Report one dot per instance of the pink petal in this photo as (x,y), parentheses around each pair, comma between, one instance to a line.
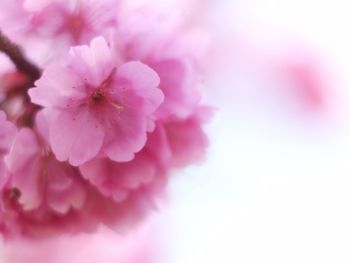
(117,179)
(24,149)
(158,146)
(102,57)
(7,133)
(101,173)
(144,81)
(178,84)
(58,87)
(187,141)
(23,162)
(75,135)
(64,191)
(126,136)
(43,120)
(4,175)
(93,64)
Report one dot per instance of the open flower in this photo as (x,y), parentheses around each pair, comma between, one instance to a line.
(102,108)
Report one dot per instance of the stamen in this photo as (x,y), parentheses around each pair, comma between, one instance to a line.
(120,108)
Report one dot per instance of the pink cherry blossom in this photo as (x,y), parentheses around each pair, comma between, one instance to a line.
(79,20)
(112,104)
(95,139)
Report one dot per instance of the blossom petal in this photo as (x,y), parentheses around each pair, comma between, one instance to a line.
(93,64)
(114,179)
(23,162)
(144,81)
(76,136)
(64,191)
(178,83)
(56,87)
(126,136)
(7,133)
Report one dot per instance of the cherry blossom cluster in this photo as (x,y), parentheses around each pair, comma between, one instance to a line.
(114,109)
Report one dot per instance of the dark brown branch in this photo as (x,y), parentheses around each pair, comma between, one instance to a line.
(17,56)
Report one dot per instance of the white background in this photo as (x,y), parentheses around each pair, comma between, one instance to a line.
(276,184)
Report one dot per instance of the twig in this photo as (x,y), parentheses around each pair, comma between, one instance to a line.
(14,52)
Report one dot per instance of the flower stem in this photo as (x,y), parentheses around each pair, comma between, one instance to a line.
(15,53)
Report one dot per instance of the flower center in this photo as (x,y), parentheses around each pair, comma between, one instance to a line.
(97,96)
(14,193)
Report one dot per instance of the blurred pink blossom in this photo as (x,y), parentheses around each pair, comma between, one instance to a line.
(76,22)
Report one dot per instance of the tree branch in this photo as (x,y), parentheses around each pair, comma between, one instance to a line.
(15,53)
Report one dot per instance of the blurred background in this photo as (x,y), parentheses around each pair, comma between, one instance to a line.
(275,184)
